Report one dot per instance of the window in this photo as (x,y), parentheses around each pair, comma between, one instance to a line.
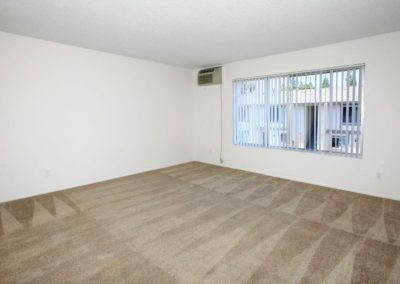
(337,142)
(348,115)
(315,111)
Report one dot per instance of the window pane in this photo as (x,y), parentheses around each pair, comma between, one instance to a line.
(315,111)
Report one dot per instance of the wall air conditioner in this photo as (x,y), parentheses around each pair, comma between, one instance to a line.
(210,76)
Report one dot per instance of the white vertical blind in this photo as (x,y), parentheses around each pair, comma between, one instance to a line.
(313,111)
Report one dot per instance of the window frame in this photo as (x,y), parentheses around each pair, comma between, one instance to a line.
(356,135)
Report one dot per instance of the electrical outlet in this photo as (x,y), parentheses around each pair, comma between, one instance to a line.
(379,176)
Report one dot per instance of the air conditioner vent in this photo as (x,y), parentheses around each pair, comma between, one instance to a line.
(209,70)
(210,76)
(206,79)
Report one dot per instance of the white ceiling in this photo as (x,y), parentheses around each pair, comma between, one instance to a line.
(198,33)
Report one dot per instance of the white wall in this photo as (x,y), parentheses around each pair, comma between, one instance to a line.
(382,116)
(71,116)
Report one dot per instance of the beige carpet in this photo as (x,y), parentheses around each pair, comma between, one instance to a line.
(196,223)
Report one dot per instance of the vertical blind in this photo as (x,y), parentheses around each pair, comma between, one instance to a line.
(314,111)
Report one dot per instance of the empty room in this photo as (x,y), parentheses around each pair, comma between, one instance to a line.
(199,141)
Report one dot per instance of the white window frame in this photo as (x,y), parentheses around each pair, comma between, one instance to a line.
(310,111)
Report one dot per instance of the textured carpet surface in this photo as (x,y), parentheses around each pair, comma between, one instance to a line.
(197,223)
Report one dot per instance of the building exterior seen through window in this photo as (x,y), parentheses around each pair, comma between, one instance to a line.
(314,111)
